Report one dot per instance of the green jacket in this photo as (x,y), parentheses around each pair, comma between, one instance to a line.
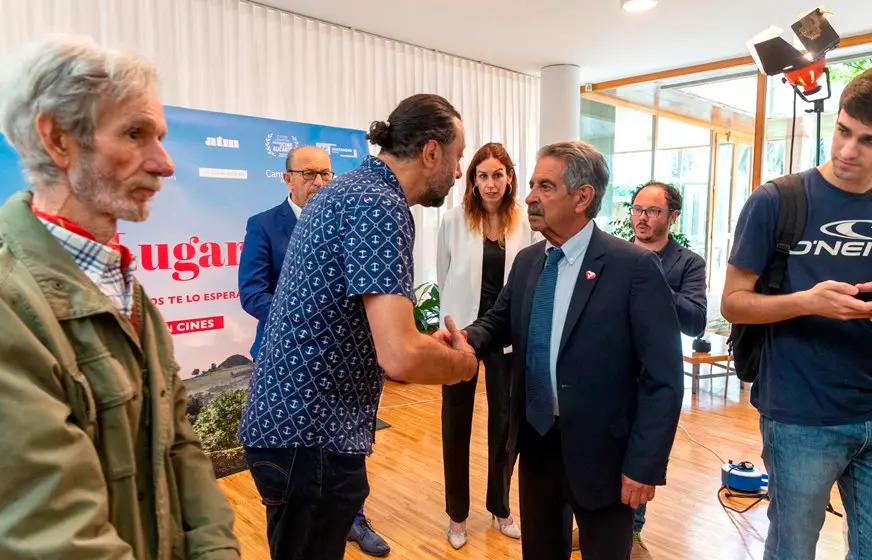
(97,457)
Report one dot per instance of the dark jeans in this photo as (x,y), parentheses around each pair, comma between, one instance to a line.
(803,463)
(639,518)
(458,402)
(311,498)
(547,506)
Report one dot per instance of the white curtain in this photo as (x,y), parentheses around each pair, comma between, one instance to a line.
(236,57)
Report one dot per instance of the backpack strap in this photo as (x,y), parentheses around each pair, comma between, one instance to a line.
(792,215)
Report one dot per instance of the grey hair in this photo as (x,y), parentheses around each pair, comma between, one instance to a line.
(585,165)
(290,157)
(70,79)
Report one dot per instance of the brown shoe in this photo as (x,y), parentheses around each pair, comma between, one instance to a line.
(639,551)
(575,545)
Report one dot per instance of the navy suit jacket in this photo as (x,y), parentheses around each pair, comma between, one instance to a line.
(263,252)
(619,367)
(685,273)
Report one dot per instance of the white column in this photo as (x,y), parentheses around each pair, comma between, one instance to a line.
(559,103)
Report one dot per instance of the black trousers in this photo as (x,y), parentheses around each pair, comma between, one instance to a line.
(311,498)
(547,506)
(458,402)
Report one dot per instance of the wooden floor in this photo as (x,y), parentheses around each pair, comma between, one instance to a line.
(407,505)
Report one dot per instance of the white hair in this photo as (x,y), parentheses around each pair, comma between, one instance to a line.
(70,79)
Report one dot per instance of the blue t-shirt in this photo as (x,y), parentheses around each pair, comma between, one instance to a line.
(317,382)
(814,371)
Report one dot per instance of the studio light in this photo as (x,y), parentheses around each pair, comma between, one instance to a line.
(807,78)
(638,5)
(805,70)
(774,55)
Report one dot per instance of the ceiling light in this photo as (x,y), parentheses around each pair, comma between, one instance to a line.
(638,5)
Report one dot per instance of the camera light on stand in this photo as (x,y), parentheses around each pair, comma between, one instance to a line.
(807,77)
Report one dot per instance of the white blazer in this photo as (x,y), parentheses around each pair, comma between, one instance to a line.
(458,265)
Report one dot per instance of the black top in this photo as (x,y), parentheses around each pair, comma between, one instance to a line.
(493,267)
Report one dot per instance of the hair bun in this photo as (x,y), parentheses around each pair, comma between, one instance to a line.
(379,133)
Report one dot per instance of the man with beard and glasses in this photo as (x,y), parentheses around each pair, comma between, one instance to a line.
(655,208)
(341,319)
(99,460)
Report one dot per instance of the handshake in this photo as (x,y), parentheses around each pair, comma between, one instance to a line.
(456,339)
(453,337)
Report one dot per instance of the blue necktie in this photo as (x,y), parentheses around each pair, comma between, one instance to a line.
(537,378)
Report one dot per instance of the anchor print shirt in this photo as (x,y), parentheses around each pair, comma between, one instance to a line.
(316,381)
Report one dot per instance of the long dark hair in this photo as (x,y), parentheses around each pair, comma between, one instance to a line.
(473,206)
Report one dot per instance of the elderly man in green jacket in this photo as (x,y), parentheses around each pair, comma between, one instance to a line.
(97,458)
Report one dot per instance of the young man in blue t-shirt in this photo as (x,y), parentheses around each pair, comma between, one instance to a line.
(814,390)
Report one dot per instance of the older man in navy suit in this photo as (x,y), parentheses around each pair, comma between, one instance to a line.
(307,169)
(597,378)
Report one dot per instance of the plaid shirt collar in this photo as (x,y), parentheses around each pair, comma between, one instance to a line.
(110,267)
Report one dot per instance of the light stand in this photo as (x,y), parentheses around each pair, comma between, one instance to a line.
(807,94)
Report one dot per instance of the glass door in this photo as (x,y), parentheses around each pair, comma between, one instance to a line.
(731,188)
(722,196)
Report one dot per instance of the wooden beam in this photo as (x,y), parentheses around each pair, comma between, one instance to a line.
(618,102)
(759,131)
(653,76)
(851,41)
(855,40)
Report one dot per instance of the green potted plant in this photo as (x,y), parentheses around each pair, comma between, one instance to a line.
(427,308)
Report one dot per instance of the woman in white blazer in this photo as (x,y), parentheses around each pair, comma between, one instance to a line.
(478,242)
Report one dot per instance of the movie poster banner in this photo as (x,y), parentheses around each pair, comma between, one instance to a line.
(228,167)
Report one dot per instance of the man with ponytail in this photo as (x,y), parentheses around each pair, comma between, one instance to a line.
(341,320)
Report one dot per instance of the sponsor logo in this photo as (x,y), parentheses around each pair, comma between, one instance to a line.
(217,173)
(270,174)
(845,238)
(345,152)
(200,324)
(219,142)
(335,150)
(278,145)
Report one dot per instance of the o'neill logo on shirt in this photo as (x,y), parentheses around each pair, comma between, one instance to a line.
(845,238)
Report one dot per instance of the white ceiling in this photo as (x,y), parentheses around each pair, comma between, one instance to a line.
(606,41)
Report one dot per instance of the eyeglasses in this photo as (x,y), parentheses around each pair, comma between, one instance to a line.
(309,174)
(652,212)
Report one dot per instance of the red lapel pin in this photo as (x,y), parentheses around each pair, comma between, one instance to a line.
(590,275)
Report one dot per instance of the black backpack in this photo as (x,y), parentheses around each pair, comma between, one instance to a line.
(746,341)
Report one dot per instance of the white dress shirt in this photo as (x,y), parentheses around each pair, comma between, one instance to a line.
(297,210)
(568,269)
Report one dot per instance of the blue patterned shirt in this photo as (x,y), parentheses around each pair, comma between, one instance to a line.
(317,382)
